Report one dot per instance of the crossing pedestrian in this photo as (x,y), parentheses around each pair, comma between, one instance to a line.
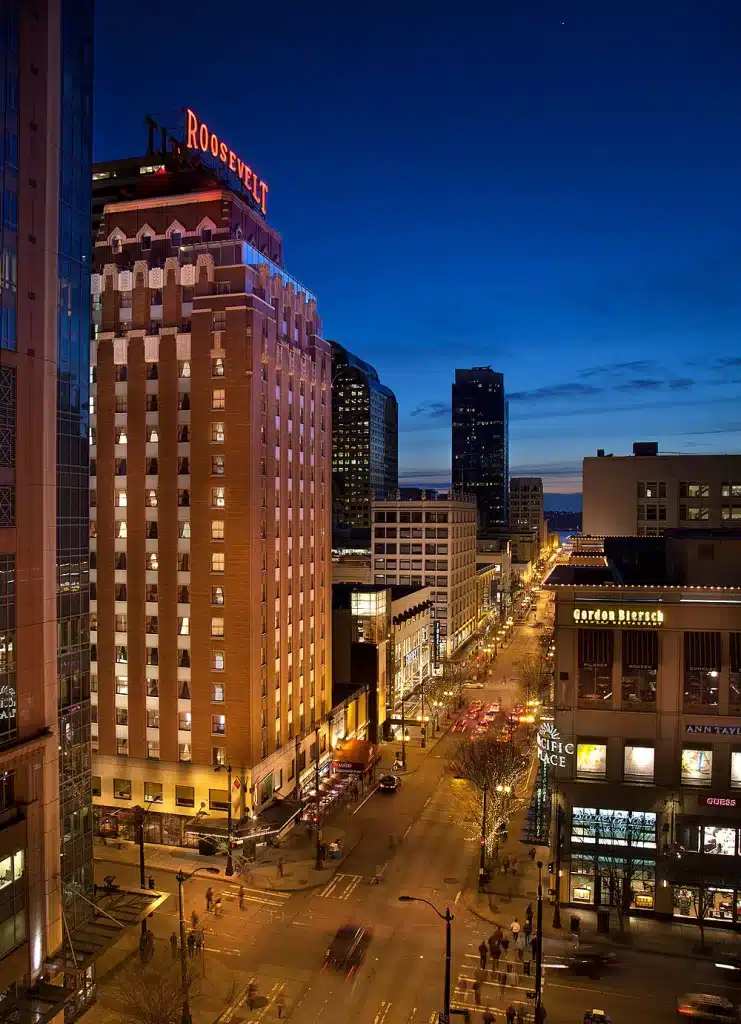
(520,945)
(194,920)
(251,995)
(488,1017)
(483,953)
(527,930)
(217,906)
(199,943)
(279,1005)
(510,1014)
(209,898)
(477,992)
(515,927)
(192,945)
(280,866)
(241,897)
(174,946)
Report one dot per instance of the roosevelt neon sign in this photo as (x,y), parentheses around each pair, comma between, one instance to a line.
(200,138)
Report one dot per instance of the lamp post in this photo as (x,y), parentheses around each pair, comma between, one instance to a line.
(403,731)
(539,951)
(559,842)
(318,866)
(482,854)
(229,869)
(447,917)
(180,878)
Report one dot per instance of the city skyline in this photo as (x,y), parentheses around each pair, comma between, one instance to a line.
(591,229)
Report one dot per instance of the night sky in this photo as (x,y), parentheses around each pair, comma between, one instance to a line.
(550,188)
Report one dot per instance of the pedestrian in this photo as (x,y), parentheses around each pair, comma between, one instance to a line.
(492,943)
(520,945)
(192,945)
(529,912)
(509,1013)
(483,952)
(488,1017)
(279,1004)
(519,1016)
(534,947)
(280,866)
(251,994)
(505,865)
(531,853)
(527,929)
(241,897)
(498,935)
(143,948)
(217,906)
(174,946)
(515,928)
(477,992)
(513,865)
(209,898)
(194,920)
(199,943)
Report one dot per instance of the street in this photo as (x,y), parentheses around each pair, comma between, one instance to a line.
(412,838)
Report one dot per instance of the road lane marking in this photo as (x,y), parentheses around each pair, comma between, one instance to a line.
(341,887)
(428,800)
(409,829)
(351,887)
(460,893)
(365,801)
(380,1017)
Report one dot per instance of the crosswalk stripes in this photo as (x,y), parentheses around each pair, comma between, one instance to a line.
(266,897)
(341,887)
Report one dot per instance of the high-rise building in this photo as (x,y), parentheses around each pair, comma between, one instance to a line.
(646,493)
(45,794)
(526,503)
(365,445)
(481,444)
(432,543)
(210,510)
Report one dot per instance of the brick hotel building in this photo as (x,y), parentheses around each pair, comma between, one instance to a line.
(210,509)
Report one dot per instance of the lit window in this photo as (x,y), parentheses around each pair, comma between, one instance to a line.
(152,435)
(184,752)
(184,528)
(217,595)
(736,769)
(122,685)
(697,766)
(121,436)
(217,367)
(218,398)
(121,529)
(218,497)
(217,465)
(591,759)
(217,561)
(217,693)
(217,661)
(153,561)
(150,499)
(639,764)
(218,724)
(217,627)
(217,529)
(184,722)
(121,499)
(184,368)
(184,626)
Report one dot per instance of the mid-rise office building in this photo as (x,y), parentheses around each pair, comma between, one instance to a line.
(365,445)
(646,493)
(481,444)
(432,543)
(210,511)
(644,750)
(526,503)
(45,797)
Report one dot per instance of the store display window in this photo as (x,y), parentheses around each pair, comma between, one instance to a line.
(697,766)
(736,769)
(718,904)
(638,764)
(721,840)
(591,759)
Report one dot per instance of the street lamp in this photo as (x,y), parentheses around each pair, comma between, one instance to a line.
(447,917)
(539,950)
(180,878)
(229,869)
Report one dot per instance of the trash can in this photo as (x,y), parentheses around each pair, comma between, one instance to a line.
(603,921)
(575,924)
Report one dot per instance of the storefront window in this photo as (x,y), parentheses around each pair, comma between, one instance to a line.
(717,904)
(591,759)
(12,901)
(613,828)
(736,769)
(697,767)
(639,764)
(582,880)
(719,840)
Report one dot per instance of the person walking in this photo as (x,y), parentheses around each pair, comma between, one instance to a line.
(279,1005)
(498,935)
(531,853)
(192,945)
(199,943)
(251,995)
(280,866)
(483,953)
(241,897)
(209,899)
(520,945)
(529,912)
(515,928)
(534,947)
(217,906)
(527,930)
(509,1013)
(488,1017)
(519,1016)
(477,992)
(174,946)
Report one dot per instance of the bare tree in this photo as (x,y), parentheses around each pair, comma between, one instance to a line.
(150,993)
(535,673)
(490,774)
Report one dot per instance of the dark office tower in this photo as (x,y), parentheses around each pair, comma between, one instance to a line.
(365,446)
(481,443)
(45,781)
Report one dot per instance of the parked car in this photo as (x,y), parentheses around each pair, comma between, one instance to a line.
(703,1007)
(348,947)
(389,783)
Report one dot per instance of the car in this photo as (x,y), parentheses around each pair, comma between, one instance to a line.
(461,725)
(475,705)
(490,716)
(495,705)
(517,709)
(591,963)
(389,783)
(480,729)
(472,684)
(348,947)
(703,1007)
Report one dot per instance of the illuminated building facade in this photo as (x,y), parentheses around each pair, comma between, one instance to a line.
(481,444)
(648,705)
(210,511)
(365,445)
(45,797)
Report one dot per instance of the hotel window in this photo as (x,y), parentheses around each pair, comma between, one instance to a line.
(701,669)
(184,721)
(122,716)
(184,368)
(217,561)
(217,465)
(122,789)
(121,436)
(152,562)
(121,499)
(218,497)
(151,624)
(595,667)
(218,433)
(697,766)
(638,763)
(731,512)
(184,498)
(217,367)
(217,529)
(122,685)
(96,785)
(218,755)
(218,725)
(640,667)
(218,398)
(217,627)
(150,498)
(693,513)
(119,467)
(151,404)
(153,718)
(152,435)
(184,626)
(218,799)
(153,690)
(591,760)
(217,595)
(185,796)
(217,693)
(152,792)
(122,747)
(122,655)
(184,753)
(119,403)
(217,661)
(146,242)
(121,531)
(734,680)
(729,490)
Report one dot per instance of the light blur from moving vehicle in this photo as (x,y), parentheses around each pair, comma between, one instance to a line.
(348,948)
(730,964)
(703,1007)
(461,725)
(472,684)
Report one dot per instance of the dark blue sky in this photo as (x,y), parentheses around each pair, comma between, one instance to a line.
(550,188)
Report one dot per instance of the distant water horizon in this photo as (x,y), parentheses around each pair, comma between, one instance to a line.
(553,501)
